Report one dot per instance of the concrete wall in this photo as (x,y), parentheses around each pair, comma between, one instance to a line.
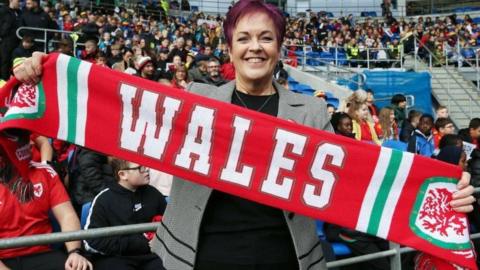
(318,83)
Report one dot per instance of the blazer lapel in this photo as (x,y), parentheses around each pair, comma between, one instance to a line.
(290,107)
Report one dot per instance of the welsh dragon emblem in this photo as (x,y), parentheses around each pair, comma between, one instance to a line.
(434,220)
(28,102)
(26,96)
(437,215)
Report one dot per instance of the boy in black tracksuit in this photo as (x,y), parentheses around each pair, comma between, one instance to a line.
(129,201)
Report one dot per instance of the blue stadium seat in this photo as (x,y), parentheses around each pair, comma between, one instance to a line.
(85,210)
(393,144)
(342,58)
(333,101)
(193,8)
(291,81)
(327,56)
(476,20)
(304,88)
(339,249)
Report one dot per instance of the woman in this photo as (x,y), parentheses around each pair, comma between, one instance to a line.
(386,128)
(206,229)
(180,77)
(358,111)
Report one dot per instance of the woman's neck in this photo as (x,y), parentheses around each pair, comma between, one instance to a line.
(262,87)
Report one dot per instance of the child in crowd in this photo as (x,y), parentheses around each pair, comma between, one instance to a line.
(410,125)
(130,200)
(443,126)
(421,141)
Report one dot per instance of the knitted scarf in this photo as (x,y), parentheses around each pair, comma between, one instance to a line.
(391,194)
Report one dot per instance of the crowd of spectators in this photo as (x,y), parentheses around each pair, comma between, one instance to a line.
(176,50)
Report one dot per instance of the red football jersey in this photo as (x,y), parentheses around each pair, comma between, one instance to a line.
(48,193)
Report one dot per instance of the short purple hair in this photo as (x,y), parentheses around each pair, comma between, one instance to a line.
(247,7)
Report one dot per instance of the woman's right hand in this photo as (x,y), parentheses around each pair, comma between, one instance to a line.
(30,70)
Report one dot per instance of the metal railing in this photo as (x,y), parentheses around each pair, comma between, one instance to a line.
(331,70)
(451,99)
(368,56)
(344,10)
(21,30)
(394,252)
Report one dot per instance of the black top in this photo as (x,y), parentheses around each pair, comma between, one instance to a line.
(236,230)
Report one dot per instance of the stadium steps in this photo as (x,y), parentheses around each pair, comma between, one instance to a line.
(451,89)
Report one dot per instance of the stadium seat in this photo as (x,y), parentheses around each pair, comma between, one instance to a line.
(333,101)
(339,249)
(85,210)
(476,20)
(304,89)
(393,144)
(194,8)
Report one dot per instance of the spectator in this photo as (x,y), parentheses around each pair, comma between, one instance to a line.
(472,133)
(214,77)
(90,52)
(199,72)
(130,200)
(185,5)
(398,104)
(126,62)
(409,125)
(89,173)
(358,111)
(450,139)
(114,55)
(331,109)
(228,70)
(395,51)
(421,141)
(342,124)
(34,16)
(443,126)
(180,77)
(179,49)
(162,69)
(353,53)
(386,128)
(24,50)
(49,195)
(145,68)
(65,46)
(441,112)
(453,155)
(9,23)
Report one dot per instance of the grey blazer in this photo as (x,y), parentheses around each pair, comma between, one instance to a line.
(177,237)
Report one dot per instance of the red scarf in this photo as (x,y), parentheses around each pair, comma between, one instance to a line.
(394,195)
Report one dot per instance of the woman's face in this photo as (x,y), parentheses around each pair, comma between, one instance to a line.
(345,126)
(392,116)
(180,74)
(362,112)
(254,48)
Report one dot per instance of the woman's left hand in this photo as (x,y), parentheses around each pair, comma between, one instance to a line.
(462,200)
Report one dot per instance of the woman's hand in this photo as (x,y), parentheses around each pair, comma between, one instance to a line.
(462,199)
(30,70)
(76,261)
